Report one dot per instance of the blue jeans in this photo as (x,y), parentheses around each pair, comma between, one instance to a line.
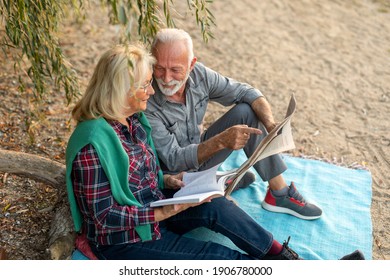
(220,215)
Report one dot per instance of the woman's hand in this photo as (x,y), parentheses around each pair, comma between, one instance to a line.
(174,182)
(164,212)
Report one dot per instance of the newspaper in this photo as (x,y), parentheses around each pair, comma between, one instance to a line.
(278,140)
(201,185)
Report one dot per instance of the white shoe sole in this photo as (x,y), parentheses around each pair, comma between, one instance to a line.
(278,209)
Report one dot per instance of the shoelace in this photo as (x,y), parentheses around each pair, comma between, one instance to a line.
(292,192)
(294,255)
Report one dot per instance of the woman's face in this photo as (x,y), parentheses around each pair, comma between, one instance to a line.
(138,101)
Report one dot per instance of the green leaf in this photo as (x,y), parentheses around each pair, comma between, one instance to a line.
(122,15)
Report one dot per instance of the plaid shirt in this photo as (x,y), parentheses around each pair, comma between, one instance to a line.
(107,222)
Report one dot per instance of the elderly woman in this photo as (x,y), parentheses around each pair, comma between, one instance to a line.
(113,175)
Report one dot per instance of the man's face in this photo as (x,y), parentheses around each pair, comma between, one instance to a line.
(172,68)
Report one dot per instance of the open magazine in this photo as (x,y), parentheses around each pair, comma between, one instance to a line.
(203,184)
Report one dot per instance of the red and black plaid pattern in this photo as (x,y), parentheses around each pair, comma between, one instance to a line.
(107,222)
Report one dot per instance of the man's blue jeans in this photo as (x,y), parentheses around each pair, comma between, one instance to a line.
(220,215)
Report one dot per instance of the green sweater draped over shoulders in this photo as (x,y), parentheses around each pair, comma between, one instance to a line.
(115,163)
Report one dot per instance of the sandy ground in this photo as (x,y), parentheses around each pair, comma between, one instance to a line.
(334,55)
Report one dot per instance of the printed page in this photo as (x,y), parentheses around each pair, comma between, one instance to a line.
(194,198)
(199,182)
(225,178)
(198,186)
(281,142)
(278,140)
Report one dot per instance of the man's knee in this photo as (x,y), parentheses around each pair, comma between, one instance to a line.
(243,108)
(245,114)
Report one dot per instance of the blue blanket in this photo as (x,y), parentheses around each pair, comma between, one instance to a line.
(343,194)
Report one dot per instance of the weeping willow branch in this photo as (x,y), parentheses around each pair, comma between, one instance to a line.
(31,29)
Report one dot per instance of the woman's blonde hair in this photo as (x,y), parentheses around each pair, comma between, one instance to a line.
(119,69)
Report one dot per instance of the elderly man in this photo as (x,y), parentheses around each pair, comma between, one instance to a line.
(183,87)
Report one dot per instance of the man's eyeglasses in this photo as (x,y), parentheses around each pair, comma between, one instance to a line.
(147,85)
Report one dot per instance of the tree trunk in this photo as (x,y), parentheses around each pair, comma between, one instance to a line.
(34,167)
(61,235)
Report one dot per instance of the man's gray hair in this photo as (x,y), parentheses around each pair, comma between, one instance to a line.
(171,35)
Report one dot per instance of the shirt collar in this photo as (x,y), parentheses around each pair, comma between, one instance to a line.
(118,124)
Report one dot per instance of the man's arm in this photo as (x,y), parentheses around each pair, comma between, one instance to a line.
(237,136)
(233,138)
(263,112)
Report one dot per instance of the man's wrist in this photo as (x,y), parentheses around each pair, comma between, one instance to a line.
(209,148)
(214,144)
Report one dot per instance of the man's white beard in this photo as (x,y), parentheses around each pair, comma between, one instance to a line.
(177,85)
(168,91)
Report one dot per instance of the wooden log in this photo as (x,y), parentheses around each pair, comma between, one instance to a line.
(61,234)
(3,254)
(34,167)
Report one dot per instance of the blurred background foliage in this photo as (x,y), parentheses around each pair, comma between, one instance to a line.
(30,29)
